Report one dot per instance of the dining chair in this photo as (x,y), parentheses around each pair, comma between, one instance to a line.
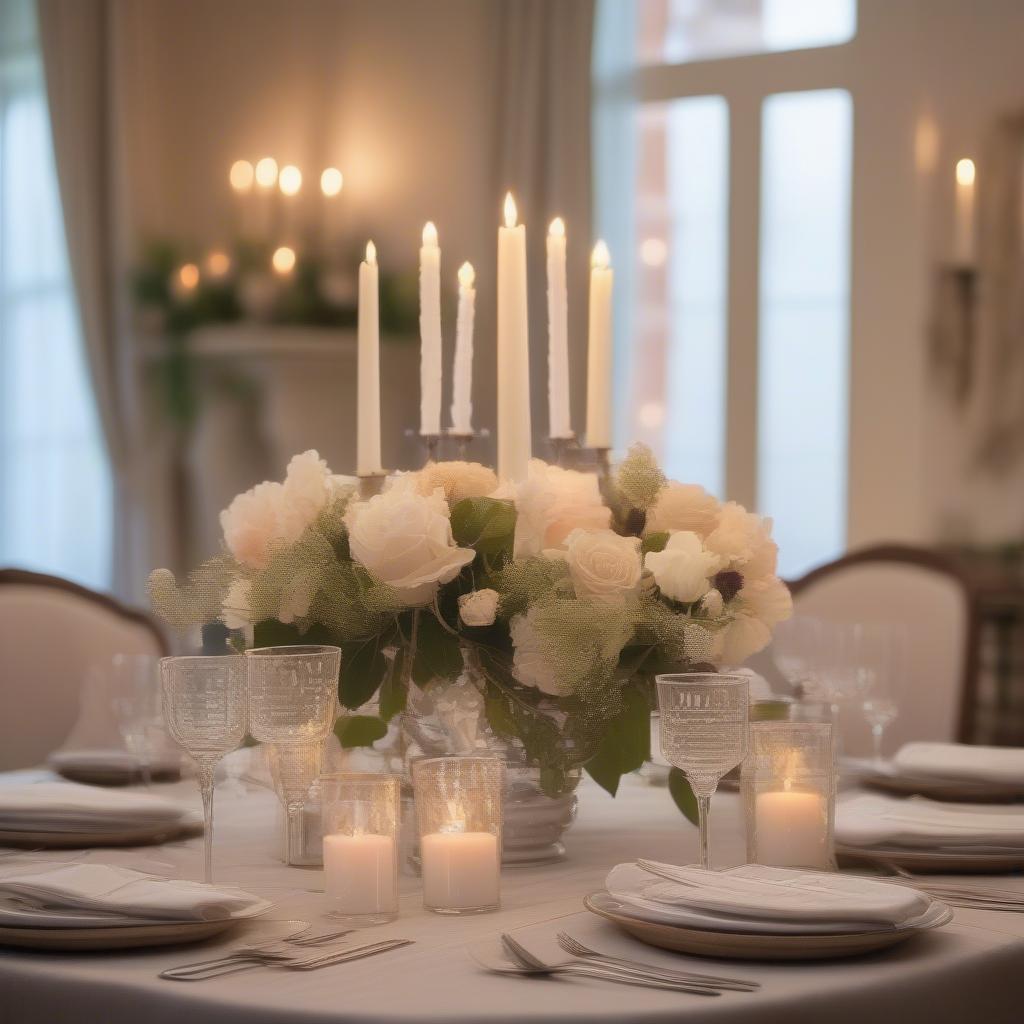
(925,592)
(51,631)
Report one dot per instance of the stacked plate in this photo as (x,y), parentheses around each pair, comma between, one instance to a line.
(98,906)
(925,835)
(102,766)
(764,913)
(56,814)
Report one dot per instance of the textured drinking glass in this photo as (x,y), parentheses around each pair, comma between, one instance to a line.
(789,795)
(204,703)
(360,820)
(292,693)
(704,733)
(458,814)
(135,702)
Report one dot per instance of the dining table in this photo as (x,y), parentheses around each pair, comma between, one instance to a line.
(970,970)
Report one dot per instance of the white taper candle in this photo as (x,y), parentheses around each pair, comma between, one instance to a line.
(462,373)
(558,334)
(368,373)
(430,332)
(599,351)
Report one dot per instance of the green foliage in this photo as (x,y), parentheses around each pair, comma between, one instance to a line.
(486,524)
(393,691)
(626,743)
(438,653)
(363,667)
(360,730)
(638,479)
(528,582)
(683,796)
(655,541)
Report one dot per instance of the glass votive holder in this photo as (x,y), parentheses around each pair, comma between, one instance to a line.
(788,785)
(360,848)
(458,814)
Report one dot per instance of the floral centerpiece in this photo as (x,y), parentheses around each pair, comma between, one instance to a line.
(568,593)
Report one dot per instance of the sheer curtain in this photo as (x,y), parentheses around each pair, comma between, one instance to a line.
(55,486)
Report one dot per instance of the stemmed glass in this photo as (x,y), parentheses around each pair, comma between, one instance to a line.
(135,702)
(204,700)
(883,656)
(704,732)
(292,694)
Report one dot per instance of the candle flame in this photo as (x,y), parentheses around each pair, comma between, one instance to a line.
(793,767)
(241,175)
(188,275)
(371,254)
(557,228)
(283,259)
(467,275)
(456,817)
(266,172)
(510,211)
(331,181)
(429,234)
(218,263)
(965,172)
(600,257)
(290,180)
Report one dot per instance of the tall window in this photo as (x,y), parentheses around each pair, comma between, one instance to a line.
(55,490)
(727,206)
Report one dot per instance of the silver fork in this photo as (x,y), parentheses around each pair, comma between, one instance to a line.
(576,948)
(530,964)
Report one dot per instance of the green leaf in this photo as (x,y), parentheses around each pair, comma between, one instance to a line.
(655,541)
(486,524)
(626,743)
(393,692)
(271,633)
(360,730)
(363,666)
(438,652)
(682,794)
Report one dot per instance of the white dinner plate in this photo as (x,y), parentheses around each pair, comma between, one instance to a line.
(15,915)
(934,861)
(760,945)
(163,933)
(892,779)
(144,835)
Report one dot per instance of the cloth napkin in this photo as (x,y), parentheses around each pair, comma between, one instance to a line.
(121,893)
(962,763)
(68,806)
(754,891)
(869,820)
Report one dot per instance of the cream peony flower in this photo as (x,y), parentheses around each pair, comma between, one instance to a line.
(307,489)
(479,608)
(743,541)
(459,480)
(404,539)
(531,665)
(603,565)
(744,636)
(767,599)
(684,569)
(551,503)
(684,507)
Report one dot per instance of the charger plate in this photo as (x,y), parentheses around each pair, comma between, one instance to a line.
(933,861)
(758,946)
(166,933)
(148,835)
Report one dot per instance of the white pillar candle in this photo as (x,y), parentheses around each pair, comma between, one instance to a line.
(430,332)
(462,371)
(514,437)
(963,222)
(558,334)
(461,870)
(791,829)
(360,873)
(368,374)
(599,351)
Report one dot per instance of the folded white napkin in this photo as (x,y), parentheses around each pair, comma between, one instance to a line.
(870,820)
(121,893)
(754,891)
(963,763)
(67,806)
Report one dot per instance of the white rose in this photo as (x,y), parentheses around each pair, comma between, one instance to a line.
(236,612)
(743,541)
(603,565)
(531,665)
(405,539)
(684,507)
(744,636)
(684,568)
(712,604)
(767,599)
(307,489)
(459,480)
(551,503)
(479,608)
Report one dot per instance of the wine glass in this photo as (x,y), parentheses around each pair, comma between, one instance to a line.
(205,710)
(883,664)
(796,651)
(292,692)
(135,702)
(704,733)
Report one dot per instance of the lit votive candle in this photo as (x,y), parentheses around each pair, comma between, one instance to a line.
(792,829)
(360,813)
(458,813)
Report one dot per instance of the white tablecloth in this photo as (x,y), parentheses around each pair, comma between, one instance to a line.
(970,970)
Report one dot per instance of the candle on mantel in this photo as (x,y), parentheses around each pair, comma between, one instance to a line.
(461,870)
(359,873)
(242,177)
(791,826)
(266,179)
(331,182)
(368,373)
(430,332)
(289,181)
(462,372)
(599,351)
(558,334)
(963,224)
(514,437)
